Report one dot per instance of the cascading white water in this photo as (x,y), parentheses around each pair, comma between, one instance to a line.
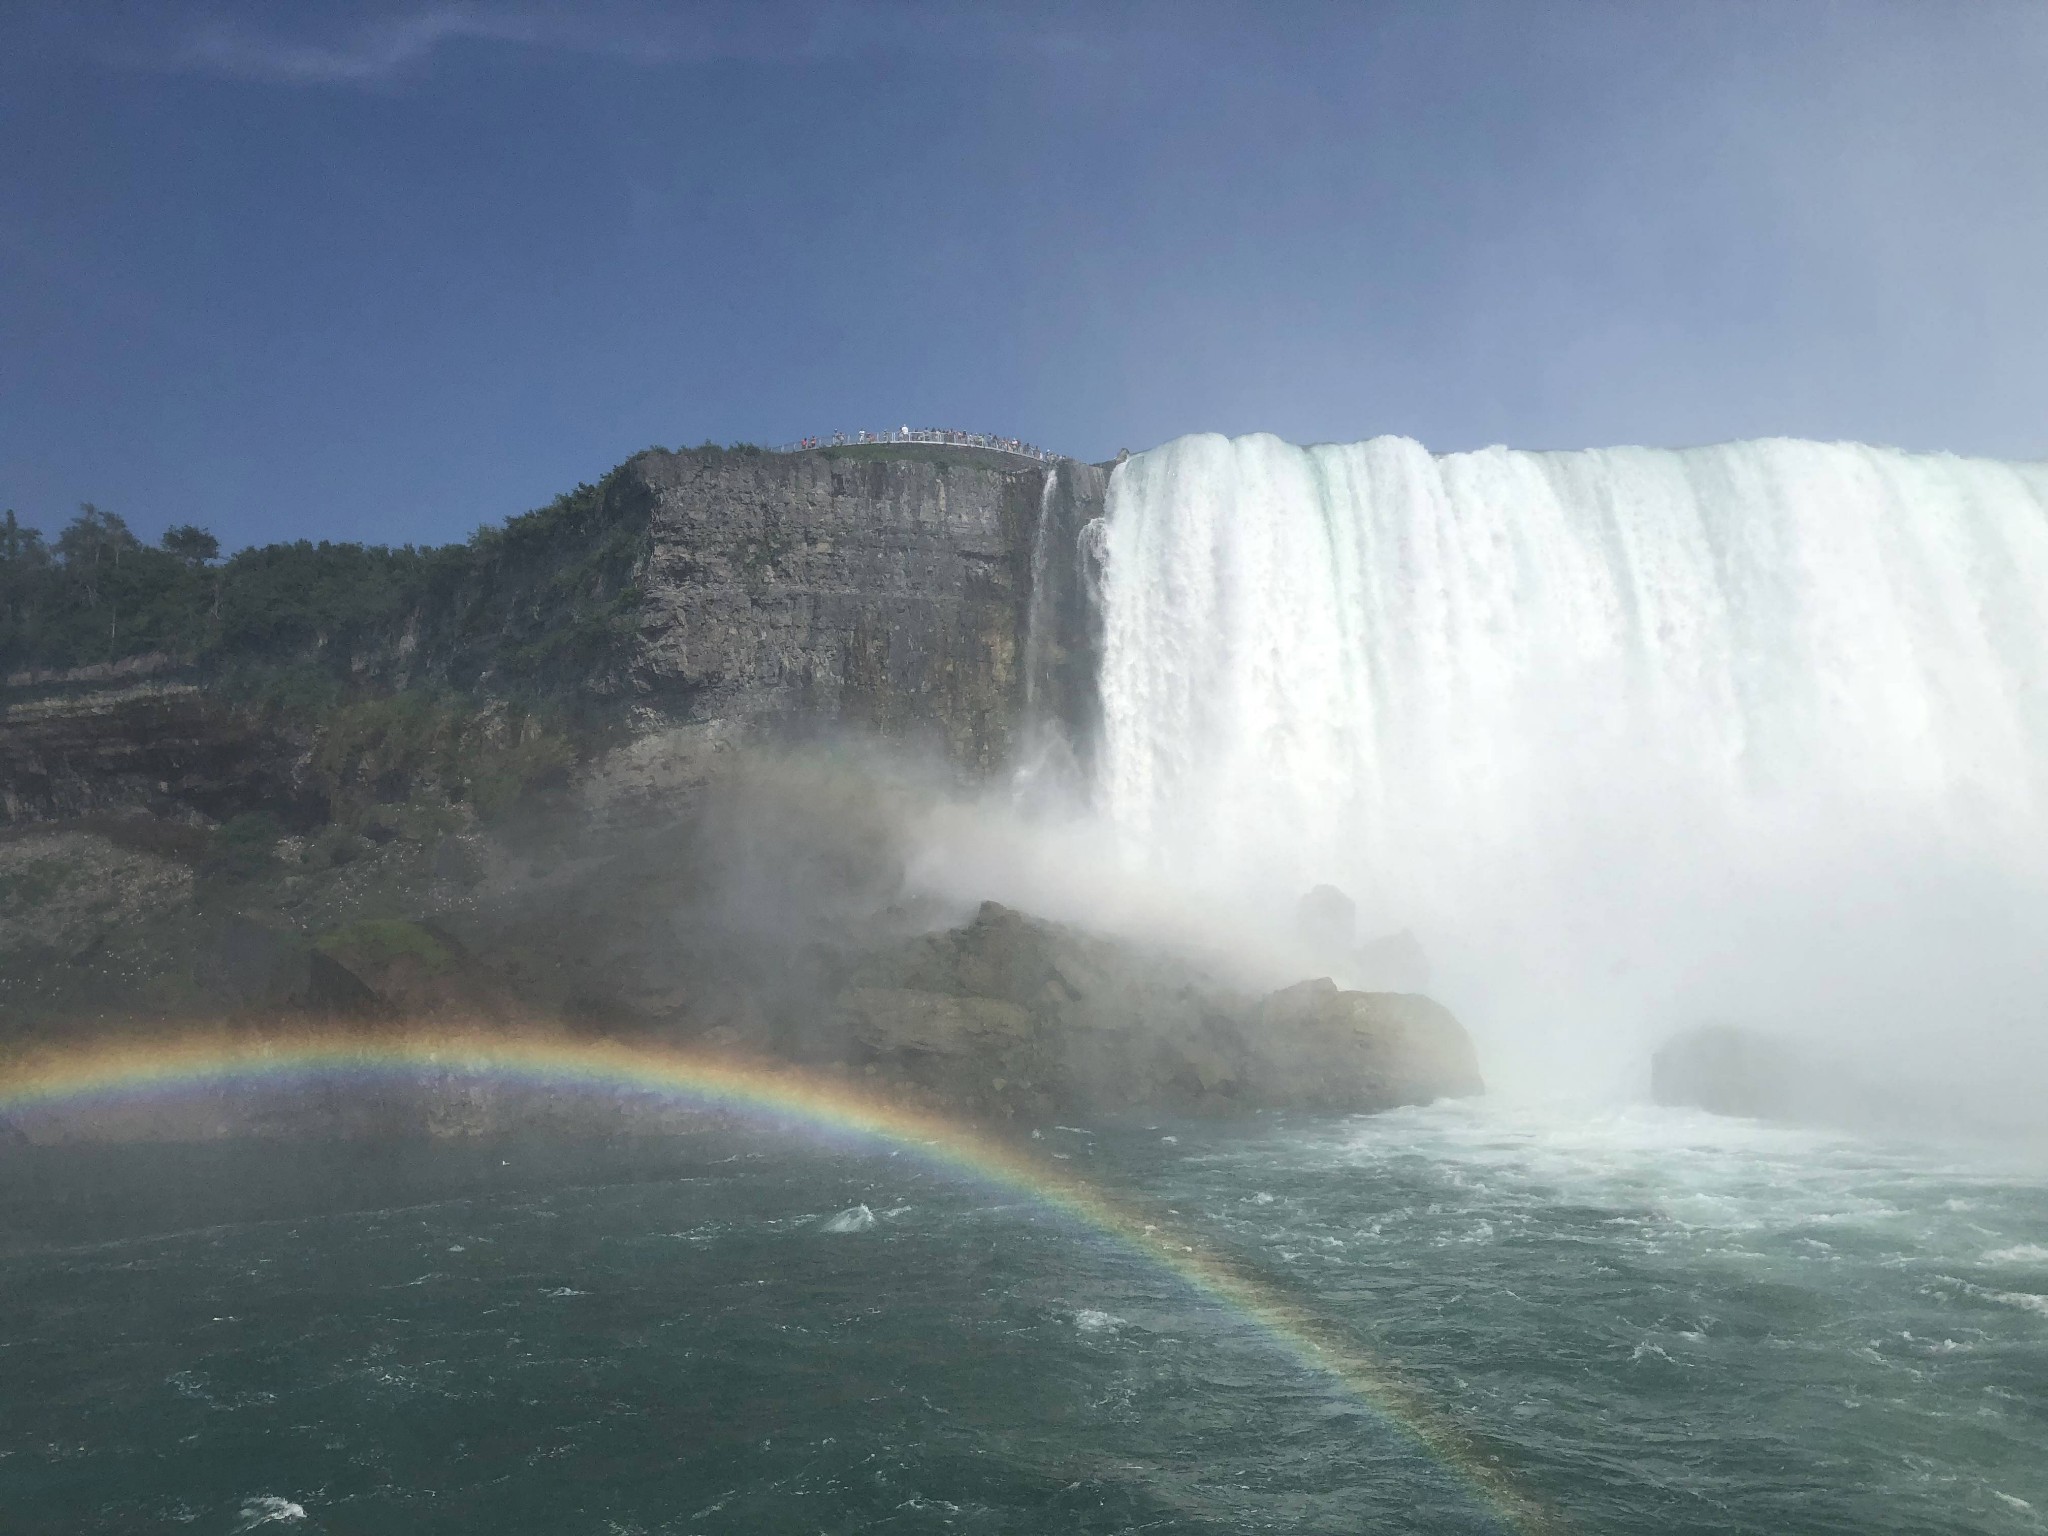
(1594,721)
(1038,619)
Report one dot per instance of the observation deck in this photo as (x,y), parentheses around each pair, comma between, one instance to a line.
(931,437)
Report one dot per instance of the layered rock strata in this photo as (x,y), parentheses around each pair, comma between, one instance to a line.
(894,595)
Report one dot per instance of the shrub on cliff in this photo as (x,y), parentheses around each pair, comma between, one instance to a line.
(540,608)
(434,748)
(243,848)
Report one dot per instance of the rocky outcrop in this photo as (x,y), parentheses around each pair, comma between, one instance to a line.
(1315,1046)
(64,892)
(395,968)
(1011,1016)
(1730,1071)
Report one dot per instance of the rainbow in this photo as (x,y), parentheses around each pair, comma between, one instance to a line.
(119,1072)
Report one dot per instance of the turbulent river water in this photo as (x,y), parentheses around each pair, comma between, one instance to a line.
(1638,1320)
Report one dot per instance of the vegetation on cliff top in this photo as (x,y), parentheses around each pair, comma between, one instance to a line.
(537,608)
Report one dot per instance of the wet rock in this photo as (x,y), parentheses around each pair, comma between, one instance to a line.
(1729,1070)
(393,967)
(1316,1046)
(979,1055)
(332,988)
(261,958)
(1012,1015)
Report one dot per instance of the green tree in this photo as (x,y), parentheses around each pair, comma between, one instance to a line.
(91,547)
(194,546)
(21,547)
(24,588)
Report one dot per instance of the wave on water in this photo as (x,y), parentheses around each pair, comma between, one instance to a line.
(2020,1253)
(269,1509)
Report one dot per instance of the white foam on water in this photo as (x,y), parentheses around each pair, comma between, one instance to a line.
(269,1509)
(1705,1181)
(2019,1253)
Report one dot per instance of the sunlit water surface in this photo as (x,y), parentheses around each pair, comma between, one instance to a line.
(1646,1320)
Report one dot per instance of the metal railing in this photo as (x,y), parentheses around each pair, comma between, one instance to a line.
(939,437)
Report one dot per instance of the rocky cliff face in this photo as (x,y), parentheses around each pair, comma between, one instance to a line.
(163,747)
(928,596)
(887,593)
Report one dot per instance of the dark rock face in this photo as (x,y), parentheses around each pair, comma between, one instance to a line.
(397,968)
(890,594)
(1012,1016)
(167,748)
(1728,1070)
(1321,1048)
(260,959)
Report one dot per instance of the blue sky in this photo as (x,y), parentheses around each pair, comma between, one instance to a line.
(389,271)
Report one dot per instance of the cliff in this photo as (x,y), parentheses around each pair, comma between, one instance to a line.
(892,592)
(905,593)
(341,733)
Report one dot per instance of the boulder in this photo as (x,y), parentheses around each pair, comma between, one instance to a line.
(394,967)
(977,1055)
(66,891)
(1011,1015)
(1319,1047)
(1729,1070)
(260,958)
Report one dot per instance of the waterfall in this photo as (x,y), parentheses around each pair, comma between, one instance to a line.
(1605,713)
(1056,738)
(1038,615)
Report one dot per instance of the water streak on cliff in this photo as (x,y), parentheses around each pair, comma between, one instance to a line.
(1038,617)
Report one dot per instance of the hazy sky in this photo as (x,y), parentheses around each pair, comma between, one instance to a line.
(389,271)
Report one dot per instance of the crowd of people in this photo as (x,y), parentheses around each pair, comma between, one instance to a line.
(943,436)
